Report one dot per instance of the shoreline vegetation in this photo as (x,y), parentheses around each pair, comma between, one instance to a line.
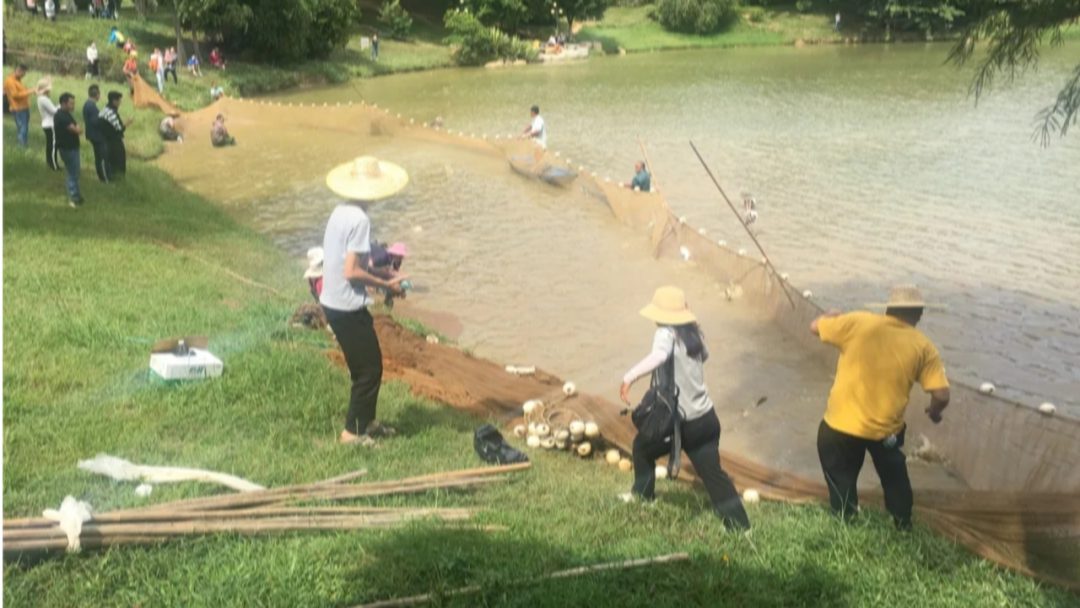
(135,269)
(59,48)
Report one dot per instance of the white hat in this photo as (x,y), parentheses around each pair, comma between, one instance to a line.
(367,179)
(315,262)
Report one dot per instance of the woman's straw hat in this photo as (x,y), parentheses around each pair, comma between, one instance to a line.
(398,249)
(45,84)
(315,263)
(367,179)
(905,296)
(668,307)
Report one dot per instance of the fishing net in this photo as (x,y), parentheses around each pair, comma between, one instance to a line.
(1022,468)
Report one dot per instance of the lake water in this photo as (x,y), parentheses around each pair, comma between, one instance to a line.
(871,165)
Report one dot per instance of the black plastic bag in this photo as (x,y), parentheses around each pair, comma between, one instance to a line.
(492,448)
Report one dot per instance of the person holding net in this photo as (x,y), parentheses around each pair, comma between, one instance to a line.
(881,357)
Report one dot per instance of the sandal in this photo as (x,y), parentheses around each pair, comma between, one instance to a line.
(361,440)
(380,430)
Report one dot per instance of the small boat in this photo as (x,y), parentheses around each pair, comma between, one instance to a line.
(547,173)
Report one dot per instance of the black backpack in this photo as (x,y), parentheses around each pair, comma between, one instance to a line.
(657,417)
(492,448)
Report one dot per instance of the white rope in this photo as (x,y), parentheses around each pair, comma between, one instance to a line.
(71,516)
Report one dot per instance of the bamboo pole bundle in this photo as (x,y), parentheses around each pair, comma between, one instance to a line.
(258,512)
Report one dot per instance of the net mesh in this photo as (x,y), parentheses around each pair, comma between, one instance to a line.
(1023,468)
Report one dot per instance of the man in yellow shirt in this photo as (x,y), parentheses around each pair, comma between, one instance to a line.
(881,357)
(18,97)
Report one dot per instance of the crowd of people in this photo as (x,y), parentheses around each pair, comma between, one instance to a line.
(161,64)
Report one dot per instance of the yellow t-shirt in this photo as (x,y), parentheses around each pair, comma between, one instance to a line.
(881,358)
(18,96)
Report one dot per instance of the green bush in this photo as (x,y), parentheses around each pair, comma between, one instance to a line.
(396,19)
(695,16)
(804,6)
(477,44)
(755,14)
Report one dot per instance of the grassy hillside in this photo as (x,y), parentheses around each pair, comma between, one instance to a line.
(59,47)
(87,290)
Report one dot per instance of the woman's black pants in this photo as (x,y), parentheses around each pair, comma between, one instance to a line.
(355,332)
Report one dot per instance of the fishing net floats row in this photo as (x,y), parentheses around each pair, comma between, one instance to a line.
(558,426)
(284,509)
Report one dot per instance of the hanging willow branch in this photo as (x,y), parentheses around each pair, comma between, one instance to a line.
(1014,32)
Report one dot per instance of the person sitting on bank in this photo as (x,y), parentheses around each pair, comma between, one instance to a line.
(345,298)
(116,38)
(129,47)
(314,272)
(219,135)
(881,356)
(642,180)
(193,66)
(216,92)
(167,129)
(216,59)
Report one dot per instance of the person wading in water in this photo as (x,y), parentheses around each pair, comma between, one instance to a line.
(345,279)
(881,356)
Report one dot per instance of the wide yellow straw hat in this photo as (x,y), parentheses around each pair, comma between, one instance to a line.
(367,179)
(905,296)
(668,307)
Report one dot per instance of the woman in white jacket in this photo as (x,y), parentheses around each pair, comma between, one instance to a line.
(48,110)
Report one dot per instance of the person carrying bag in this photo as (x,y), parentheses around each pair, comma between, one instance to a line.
(676,413)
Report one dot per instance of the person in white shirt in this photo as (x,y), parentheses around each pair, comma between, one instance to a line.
(91,60)
(50,10)
(346,278)
(537,130)
(48,110)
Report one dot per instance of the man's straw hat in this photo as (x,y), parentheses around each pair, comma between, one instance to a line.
(367,179)
(668,307)
(905,296)
(315,263)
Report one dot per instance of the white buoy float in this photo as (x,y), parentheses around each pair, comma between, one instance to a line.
(722,243)
(986,388)
(808,294)
(684,252)
(519,430)
(741,252)
(533,441)
(548,443)
(592,431)
(1048,409)
(751,497)
(661,471)
(569,389)
(529,406)
(625,465)
(701,231)
(543,430)
(613,457)
(785,276)
(584,449)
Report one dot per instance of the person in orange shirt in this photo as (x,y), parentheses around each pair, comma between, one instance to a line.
(131,69)
(18,97)
(881,357)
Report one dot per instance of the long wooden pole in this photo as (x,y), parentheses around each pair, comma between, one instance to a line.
(742,222)
(573,572)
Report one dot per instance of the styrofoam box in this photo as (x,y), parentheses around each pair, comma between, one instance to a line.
(200,364)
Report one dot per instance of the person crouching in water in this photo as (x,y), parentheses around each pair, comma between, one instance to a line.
(678,341)
(346,278)
(219,135)
(385,263)
(167,129)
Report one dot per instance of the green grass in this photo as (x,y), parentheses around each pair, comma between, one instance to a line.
(631,29)
(87,290)
(60,48)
